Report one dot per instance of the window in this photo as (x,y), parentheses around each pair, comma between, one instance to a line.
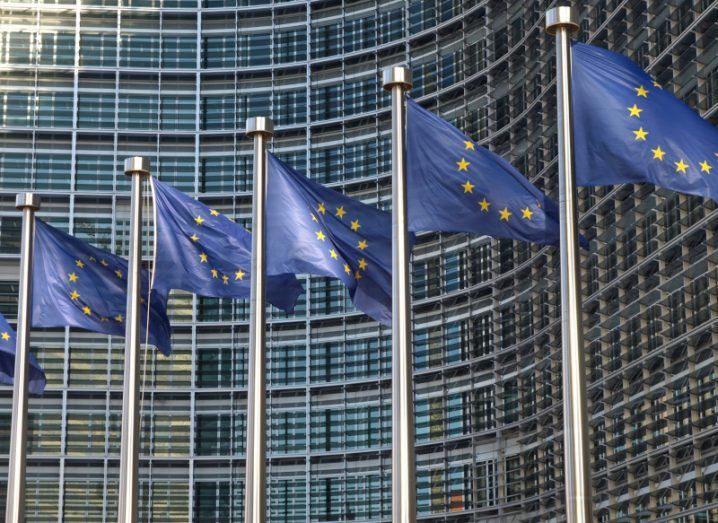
(359,33)
(96,110)
(513,478)
(290,46)
(98,49)
(219,51)
(326,40)
(178,112)
(326,102)
(139,50)
(254,49)
(179,51)
(56,48)
(54,109)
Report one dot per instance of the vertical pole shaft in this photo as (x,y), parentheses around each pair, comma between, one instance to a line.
(15,511)
(562,22)
(398,81)
(138,168)
(255,500)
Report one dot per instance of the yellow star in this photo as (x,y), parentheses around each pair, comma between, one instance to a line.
(362,264)
(213,212)
(641,134)
(347,269)
(194,238)
(656,84)
(322,209)
(86,310)
(658,153)
(357,275)
(79,264)
(104,319)
(119,273)
(119,318)
(468,187)
(239,275)
(314,218)
(362,245)
(93,259)
(215,273)
(469,145)
(463,165)
(321,236)
(340,212)
(202,257)
(74,295)
(5,336)
(484,205)
(104,263)
(355,225)
(681,166)
(527,213)
(72,277)
(199,220)
(333,254)
(634,111)
(705,167)
(640,91)
(225,279)
(505,214)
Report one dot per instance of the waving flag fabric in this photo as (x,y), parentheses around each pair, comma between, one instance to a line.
(454,185)
(316,230)
(78,285)
(628,129)
(200,250)
(37,380)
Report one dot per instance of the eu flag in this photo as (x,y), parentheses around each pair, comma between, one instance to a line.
(316,230)
(200,250)
(454,185)
(36,377)
(628,129)
(78,285)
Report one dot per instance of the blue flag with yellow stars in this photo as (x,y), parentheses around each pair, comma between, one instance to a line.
(454,185)
(312,229)
(78,285)
(199,250)
(36,377)
(627,129)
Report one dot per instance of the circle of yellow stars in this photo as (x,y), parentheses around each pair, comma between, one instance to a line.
(355,225)
(215,274)
(640,135)
(484,205)
(73,277)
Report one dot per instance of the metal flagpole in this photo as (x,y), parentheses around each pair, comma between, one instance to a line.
(15,511)
(255,499)
(562,22)
(398,80)
(138,168)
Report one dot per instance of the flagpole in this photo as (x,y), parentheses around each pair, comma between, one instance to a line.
(562,22)
(397,79)
(255,500)
(138,168)
(28,203)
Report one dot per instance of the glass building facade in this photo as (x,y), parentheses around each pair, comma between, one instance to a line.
(86,83)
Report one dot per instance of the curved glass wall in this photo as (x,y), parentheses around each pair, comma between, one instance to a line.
(85,84)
